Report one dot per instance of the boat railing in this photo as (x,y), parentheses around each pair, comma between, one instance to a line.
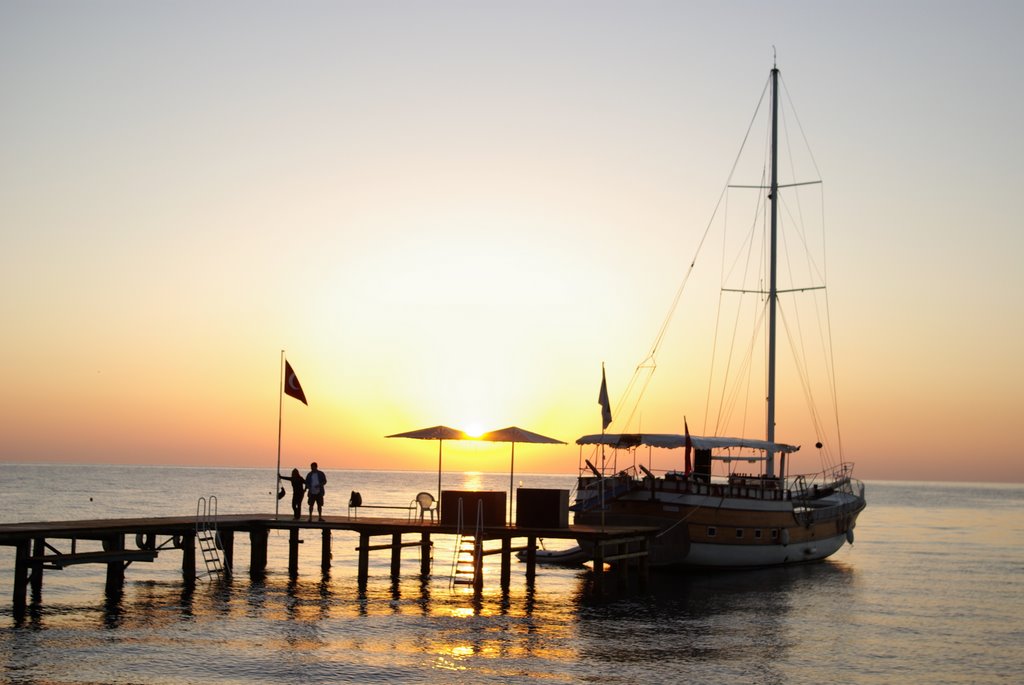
(594,491)
(837,478)
(748,486)
(804,490)
(809,492)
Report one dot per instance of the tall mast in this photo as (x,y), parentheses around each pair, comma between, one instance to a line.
(772,283)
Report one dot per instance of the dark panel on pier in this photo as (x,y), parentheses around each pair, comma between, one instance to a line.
(493,508)
(542,508)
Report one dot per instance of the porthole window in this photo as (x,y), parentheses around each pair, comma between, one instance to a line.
(739,533)
(775,533)
(757,534)
(712,531)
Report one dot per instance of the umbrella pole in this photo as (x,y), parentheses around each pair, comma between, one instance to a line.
(511,483)
(440,444)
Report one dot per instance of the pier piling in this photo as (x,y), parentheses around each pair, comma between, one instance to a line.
(363,572)
(325,550)
(227,541)
(36,568)
(293,551)
(426,553)
(115,568)
(22,551)
(506,563)
(258,552)
(188,556)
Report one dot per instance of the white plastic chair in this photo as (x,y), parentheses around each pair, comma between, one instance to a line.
(427,505)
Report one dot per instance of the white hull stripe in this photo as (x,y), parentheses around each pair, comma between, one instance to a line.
(719,555)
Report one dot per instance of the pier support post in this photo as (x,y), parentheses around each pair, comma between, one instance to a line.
(115,569)
(325,550)
(598,567)
(396,555)
(622,567)
(293,551)
(364,558)
(425,554)
(188,557)
(531,559)
(506,563)
(644,563)
(478,564)
(227,543)
(21,570)
(258,552)
(36,568)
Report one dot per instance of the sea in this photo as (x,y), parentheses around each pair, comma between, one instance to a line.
(931,591)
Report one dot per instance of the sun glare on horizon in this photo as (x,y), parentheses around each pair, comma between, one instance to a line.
(474,430)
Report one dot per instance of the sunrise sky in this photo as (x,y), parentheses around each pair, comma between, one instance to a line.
(455,212)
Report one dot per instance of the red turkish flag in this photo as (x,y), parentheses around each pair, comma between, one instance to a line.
(292,386)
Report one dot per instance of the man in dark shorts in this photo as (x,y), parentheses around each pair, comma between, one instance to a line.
(315,484)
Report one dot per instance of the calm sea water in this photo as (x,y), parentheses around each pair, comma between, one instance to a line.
(931,592)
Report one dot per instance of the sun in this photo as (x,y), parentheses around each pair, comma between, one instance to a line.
(474,430)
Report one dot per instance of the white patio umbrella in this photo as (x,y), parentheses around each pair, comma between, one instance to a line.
(439,433)
(514,434)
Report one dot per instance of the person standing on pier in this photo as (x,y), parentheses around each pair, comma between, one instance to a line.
(315,483)
(298,490)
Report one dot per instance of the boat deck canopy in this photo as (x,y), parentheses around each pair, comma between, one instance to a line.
(673,440)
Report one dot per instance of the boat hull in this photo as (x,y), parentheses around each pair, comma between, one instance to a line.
(752,531)
(743,556)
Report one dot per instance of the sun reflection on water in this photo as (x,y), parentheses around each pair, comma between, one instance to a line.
(472,480)
(445,664)
(463,612)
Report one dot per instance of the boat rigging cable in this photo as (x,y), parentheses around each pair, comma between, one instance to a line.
(823,271)
(649,363)
(643,374)
(816,274)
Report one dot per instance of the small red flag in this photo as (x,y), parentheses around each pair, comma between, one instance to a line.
(292,387)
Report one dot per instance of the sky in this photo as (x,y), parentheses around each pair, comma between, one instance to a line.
(456,212)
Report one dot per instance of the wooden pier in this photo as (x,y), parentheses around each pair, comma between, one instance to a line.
(55,545)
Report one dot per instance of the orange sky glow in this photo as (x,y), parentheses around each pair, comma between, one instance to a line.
(451,213)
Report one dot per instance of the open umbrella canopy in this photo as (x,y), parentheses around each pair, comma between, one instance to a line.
(514,434)
(439,433)
(434,433)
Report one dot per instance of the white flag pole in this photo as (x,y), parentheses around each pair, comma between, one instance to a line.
(604,396)
(280,410)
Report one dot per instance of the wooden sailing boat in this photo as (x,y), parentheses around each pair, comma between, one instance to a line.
(728,520)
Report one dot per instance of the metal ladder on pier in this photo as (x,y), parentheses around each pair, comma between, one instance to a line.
(208,536)
(467,564)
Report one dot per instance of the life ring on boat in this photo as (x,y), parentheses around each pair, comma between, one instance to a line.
(145,540)
(784,537)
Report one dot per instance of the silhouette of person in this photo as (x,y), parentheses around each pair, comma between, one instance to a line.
(298,490)
(315,483)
